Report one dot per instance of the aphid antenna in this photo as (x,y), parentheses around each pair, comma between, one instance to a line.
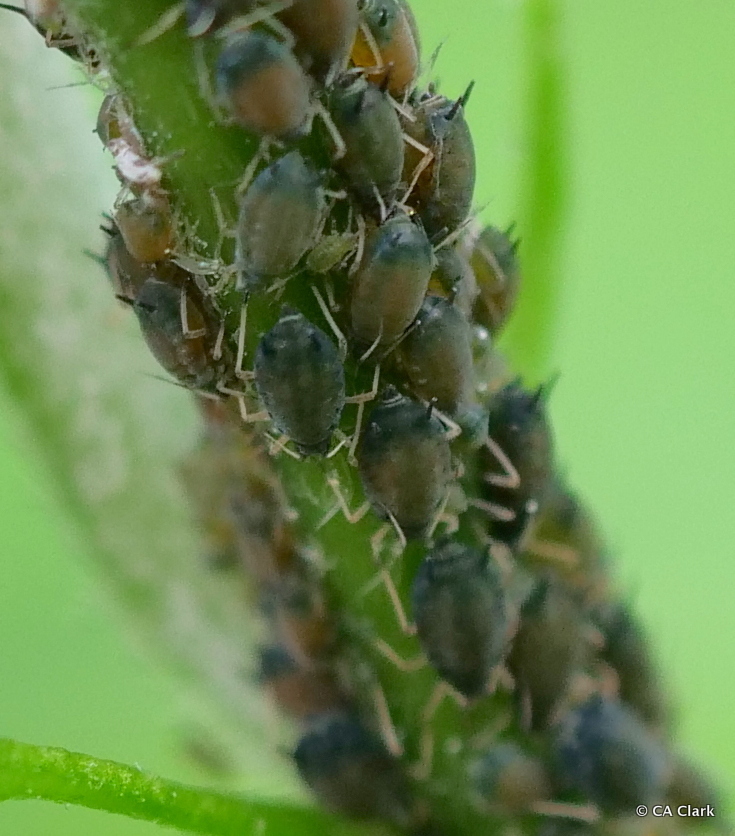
(586,813)
(413,665)
(554,552)
(250,169)
(266,16)
(452,427)
(183,313)
(439,516)
(510,479)
(385,723)
(166,21)
(421,166)
(495,511)
(376,342)
(318,109)
(278,445)
(403,110)
(86,83)
(341,339)
(456,234)
(206,91)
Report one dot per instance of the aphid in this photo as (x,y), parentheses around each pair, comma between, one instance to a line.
(510,779)
(263,85)
(371,132)
(387,44)
(453,278)
(516,461)
(442,194)
(436,355)
(461,615)
(603,751)
(352,773)
(300,692)
(627,650)
(551,645)
(405,463)
(49,21)
(390,282)
(279,220)
(146,226)
(178,332)
(494,260)
(301,381)
(324,31)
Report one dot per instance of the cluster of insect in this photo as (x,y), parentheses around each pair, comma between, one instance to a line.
(356,212)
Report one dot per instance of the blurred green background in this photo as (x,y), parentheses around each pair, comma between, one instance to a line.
(643,409)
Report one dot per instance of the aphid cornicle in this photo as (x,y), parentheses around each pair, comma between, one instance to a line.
(461,615)
(188,357)
(300,692)
(494,260)
(604,751)
(371,132)
(549,647)
(300,381)
(263,85)
(279,219)
(392,29)
(390,283)
(146,226)
(324,31)
(627,650)
(516,461)
(510,779)
(436,355)
(405,463)
(351,772)
(442,195)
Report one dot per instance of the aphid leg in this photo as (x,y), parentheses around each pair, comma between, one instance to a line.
(239,371)
(453,428)
(217,351)
(587,813)
(511,478)
(375,344)
(497,512)
(278,445)
(265,15)
(367,396)
(343,440)
(421,166)
(399,531)
(360,249)
(351,516)
(381,204)
(183,312)
(403,110)
(373,47)
(422,769)
(340,149)
(439,516)
(500,676)
(453,236)
(554,552)
(247,417)
(385,722)
(385,578)
(206,91)
(166,21)
(413,665)
(341,340)
(250,168)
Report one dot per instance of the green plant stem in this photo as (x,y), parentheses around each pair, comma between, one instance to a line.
(530,335)
(53,774)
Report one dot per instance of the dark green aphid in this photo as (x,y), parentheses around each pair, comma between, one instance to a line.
(179,332)
(301,382)
(263,85)
(516,461)
(604,752)
(390,283)
(461,615)
(627,650)
(442,194)
(374,148)
(387,45)
(300,691)
(509,779)
(352,773)
(436,355)
(494,260)
(405,463)
(550,647)
(280,216)
(324,31)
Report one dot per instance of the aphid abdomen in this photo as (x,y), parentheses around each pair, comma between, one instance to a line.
(390,283)
(350,771)
(436,355)
(494,260)
(405,463)
(453,277)
(279,219)
(158,307)
(300,380)
(263,85)
(324,32)
(461,615)
(146,226)
(605,752)
(374,146)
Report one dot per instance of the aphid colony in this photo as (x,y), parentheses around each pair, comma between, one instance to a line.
(355,246)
